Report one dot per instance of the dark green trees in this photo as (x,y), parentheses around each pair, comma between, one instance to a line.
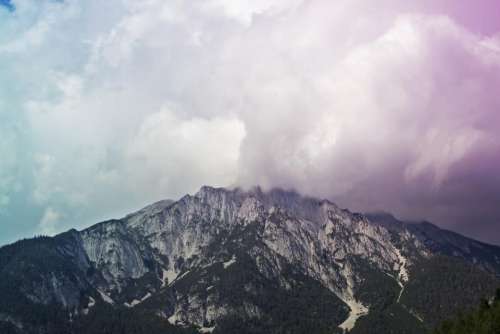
(484,320)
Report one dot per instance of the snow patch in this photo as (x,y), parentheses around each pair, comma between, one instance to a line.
(174,319)
(207,329)
(357,308)
(181,276)
(415,314)
(105,297)
(230,262)
(403,275)
(89,305)
(168,277)
(136,302)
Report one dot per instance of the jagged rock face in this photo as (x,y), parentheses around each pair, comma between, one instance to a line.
(178,258)
(115,253)
(316,236)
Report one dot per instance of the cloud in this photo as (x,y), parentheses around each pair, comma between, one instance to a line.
(110,106)
(414,96)
(167,149)
(49,221)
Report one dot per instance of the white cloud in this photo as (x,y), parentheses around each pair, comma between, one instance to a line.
(172,153)
(125,102)
(244,11)
(49,223)
(9,165)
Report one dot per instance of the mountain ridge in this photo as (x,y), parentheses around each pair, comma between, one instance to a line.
(218,257)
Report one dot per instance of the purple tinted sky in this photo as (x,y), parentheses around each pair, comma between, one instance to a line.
(473,189)
(480,16)
(379,105)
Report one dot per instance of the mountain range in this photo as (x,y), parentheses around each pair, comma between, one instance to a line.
(244,261)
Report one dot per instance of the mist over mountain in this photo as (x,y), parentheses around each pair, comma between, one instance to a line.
(244,261)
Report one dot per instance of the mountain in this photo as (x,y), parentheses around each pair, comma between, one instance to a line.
(233,261)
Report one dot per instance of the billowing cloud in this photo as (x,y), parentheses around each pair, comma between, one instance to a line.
(105,107)
(49,221)
(193,150)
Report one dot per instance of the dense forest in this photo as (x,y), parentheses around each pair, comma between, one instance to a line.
(484,320)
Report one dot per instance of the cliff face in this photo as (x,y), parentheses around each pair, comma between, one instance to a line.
(222,254)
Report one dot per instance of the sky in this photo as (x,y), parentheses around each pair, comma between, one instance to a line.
(106,106)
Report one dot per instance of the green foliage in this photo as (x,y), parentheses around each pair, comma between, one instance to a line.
(376,288)
(394,319)
(439,288)
(105,319)
(8,328)
(442,286)
(484,320)
(21,264)
(386,316)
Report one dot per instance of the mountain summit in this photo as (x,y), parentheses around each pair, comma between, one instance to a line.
(235,261)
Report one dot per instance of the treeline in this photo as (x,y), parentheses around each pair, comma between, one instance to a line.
(105,319)
(102,319)
(484,320)
(441,287)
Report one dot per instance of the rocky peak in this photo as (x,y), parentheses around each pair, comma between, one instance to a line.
(186,256)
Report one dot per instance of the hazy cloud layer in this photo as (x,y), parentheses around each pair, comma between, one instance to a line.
(107,106)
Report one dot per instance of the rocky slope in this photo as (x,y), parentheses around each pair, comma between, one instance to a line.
(224,261)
